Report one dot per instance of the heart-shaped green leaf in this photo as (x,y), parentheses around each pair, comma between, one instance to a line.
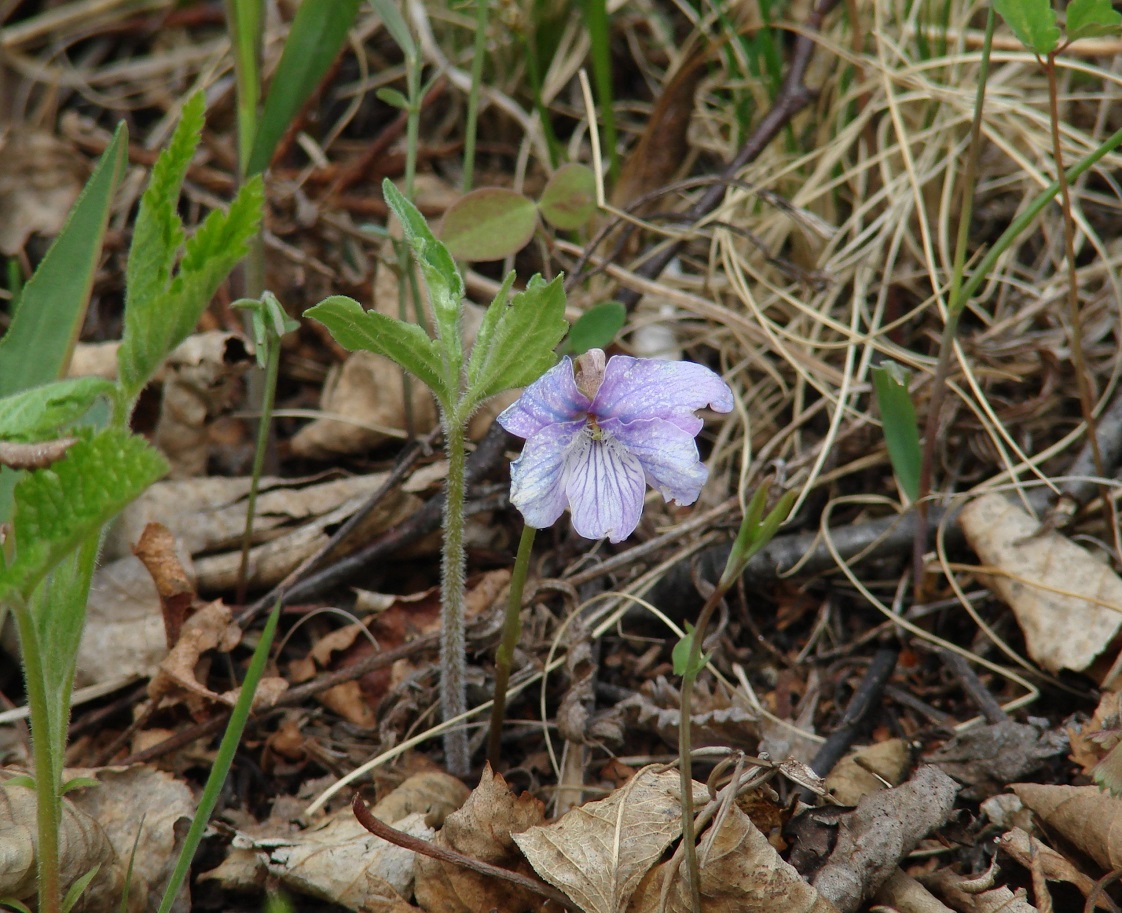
(489,224)
(569,198)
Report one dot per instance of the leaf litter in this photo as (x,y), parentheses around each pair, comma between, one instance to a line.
(828,254)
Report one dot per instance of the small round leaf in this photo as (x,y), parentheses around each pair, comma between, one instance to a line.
(569,198)
(488,224)
(597,327)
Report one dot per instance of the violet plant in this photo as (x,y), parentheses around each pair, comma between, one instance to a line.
(513,347)
(597,434)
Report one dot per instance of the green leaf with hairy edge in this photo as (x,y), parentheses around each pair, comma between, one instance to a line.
(74,892)
(153,328)
(520,347)
(314,40)
(37,347)
(1091,19)
(596,327)
(489,223)
(41,413)
(442,279)
(569,198)
(898,417)
(404,343)
(59,506)
(1033,22)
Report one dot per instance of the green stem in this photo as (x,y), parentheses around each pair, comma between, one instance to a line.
(268,397)
(47,779)
(685,738)
(482,7)
(954,311)
(512,630)
(453,695)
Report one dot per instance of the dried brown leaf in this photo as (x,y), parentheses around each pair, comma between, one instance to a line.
(740,873)
(157,550)
(598,853)
(1059,592)
(485,828)
(1083,817)
(210,628)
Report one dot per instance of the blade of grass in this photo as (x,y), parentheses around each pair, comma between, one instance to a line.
(222,761)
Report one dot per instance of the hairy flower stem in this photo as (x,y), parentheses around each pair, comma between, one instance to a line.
(685,741)
(512,630)
(453,694)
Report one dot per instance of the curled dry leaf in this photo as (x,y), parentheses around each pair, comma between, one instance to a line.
(485,828)
(83,844)
(965,894)
(1062,596)
(988,758)
(200,383)
(856,774)
(211,628)
(1029,852)
(176,588)
(740,873)
(598,853)
(38,455)
(1082,817)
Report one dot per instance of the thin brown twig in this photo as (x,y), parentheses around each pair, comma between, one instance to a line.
(417,845)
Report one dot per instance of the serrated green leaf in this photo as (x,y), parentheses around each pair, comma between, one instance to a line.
(489,223)
(898,418)
(314,40)
(519,348)
(41,413)
(1033,22)
(596,327)
(37,346)
(154,327)
(569,198)
(59,506)
(1091,19)
(442,279)
(158,234)
(404,343)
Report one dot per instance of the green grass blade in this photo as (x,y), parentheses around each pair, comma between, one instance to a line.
(37,347)
(222,761)
(600,48)
(318,32)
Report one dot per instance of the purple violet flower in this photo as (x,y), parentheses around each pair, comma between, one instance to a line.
(596,438)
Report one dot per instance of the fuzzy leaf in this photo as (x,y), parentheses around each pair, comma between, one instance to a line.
(155,326)
(1091,19)
(404,343)
(314,40)
(442,279)
(1033,22)
(898,417)
(519,349)
(489,224)
(569,198)
(59,506)
(40,413)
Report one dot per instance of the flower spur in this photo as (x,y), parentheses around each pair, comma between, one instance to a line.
(595,439)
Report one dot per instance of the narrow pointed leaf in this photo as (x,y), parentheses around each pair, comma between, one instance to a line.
(442,279)
(898,417)
(314,40)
